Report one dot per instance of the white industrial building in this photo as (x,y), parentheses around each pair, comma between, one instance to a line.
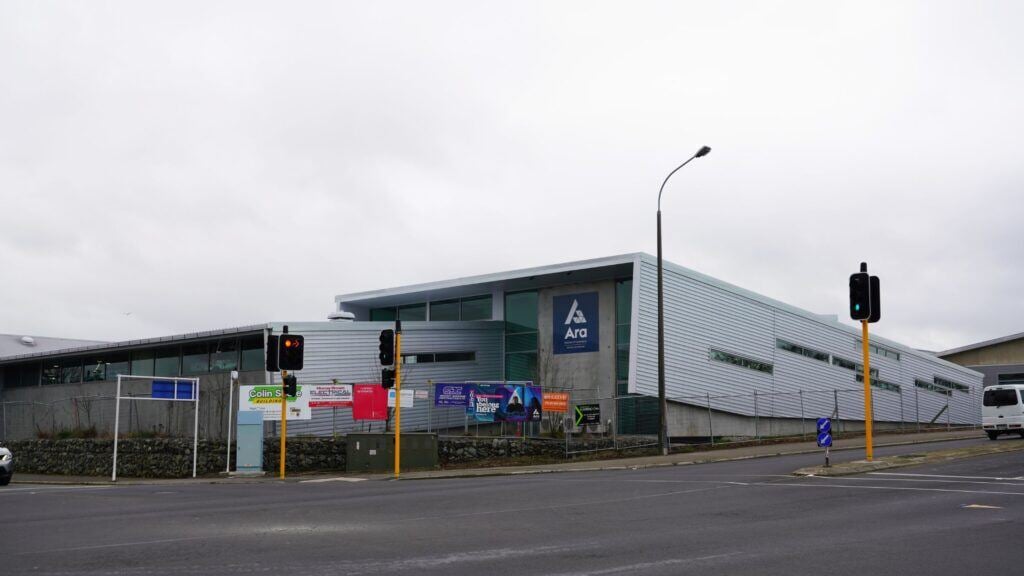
(589,327)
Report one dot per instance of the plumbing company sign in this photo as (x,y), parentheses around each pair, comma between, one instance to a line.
(575,323)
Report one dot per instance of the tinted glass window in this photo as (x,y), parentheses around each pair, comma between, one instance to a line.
(166,363)
(142,362)
(71,370)
(445,310)
(252,353)
(195,359)
(1000,398)
(478,308)
(224,355)
(51,373)
(382,315)
(521,312)
(413,313)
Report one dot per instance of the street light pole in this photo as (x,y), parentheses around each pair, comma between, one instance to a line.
(662,401)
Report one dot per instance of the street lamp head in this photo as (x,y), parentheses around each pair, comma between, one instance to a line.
(702,152)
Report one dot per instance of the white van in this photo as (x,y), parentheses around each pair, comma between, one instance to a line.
(1002,410)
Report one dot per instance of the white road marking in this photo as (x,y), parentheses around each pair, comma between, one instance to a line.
(904,488)
(642,567)
(54,488)
(117,545)
(933,480)
(320,480)
(942,476)
(982,506)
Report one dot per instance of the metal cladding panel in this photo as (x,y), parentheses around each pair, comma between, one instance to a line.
(350,356)
(700,315)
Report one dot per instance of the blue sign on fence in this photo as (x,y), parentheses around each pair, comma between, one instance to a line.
(824,432)
(173,390)
(575,323)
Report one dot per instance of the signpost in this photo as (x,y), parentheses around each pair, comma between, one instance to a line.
(825,436)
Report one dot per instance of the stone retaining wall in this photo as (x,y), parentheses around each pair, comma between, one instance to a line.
(172,457)
(164,457)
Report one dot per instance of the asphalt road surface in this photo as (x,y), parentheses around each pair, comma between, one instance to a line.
(745,517)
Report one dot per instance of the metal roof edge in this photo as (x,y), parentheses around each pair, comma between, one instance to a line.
(984,344)
(627,258)
(134,343)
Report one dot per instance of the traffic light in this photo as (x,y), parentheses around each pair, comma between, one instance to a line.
(387,378)
(860,296)
(289,355)
(291,385)
(271,354)
(876,300)
(387,347)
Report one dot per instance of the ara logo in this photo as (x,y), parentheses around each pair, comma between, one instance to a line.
(575,314)
(578,331)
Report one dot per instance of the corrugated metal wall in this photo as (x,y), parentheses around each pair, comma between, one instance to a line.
(701,313)
(347,352)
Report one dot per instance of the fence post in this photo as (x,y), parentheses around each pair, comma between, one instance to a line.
(917,408)
(5,420)
(757,433)
(948,394)
(803,427)
(903,420)
(835,408)
(711,430)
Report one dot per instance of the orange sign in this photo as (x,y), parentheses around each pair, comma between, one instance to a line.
(555,402)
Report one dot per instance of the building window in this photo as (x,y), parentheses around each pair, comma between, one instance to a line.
(521,339)
(51,373)
(740,361)
(383,315)
(195,359)
(16,375)
(623,321)
(802,350)
(444,310)
(412,313)
(1011,378)
(878,350)
(853,366)
(106,367)
(932,387)
(952,385)
(882,384)
(253,353)
(142,362)
(432,357)
(224,355)
(167,362)
(476,308)
(71,370)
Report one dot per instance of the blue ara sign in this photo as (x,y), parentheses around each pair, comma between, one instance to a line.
(575,323)
(824,432)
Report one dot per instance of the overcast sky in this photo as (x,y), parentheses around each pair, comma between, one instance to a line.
(180,166)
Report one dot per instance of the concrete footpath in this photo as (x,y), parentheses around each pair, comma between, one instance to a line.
(676,459)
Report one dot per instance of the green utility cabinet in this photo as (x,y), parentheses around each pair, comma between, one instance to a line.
(376,452)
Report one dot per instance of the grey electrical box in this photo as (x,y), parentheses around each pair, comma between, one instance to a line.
(249,447)
(376,452)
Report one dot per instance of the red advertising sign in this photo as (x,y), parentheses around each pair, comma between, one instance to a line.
(555,401)
(369,402)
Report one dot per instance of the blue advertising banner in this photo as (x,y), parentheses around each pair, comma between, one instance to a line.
(575,323)
(533,399)
(510,402)
(484,401)
(452,395)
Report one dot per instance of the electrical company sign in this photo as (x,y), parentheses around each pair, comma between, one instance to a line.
(575,323)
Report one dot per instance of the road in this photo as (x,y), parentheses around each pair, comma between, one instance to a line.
(743,517)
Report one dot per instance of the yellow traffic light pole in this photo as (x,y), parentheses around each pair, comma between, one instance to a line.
(398,401)
(284,419)
(868,447)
